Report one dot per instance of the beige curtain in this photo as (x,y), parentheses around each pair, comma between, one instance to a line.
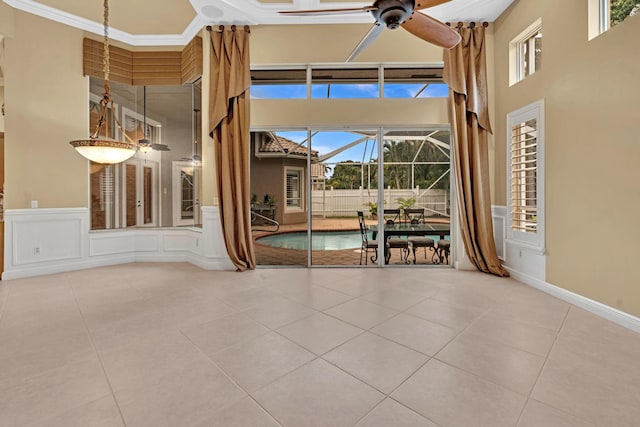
(465,72)
(229,126)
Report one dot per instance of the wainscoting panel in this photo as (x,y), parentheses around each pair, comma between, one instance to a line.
(498,214)
(33,240)
(46,241)
(102,243)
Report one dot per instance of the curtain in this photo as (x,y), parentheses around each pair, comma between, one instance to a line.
(229,127)
(465,73)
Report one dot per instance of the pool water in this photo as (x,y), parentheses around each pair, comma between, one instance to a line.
(320,240)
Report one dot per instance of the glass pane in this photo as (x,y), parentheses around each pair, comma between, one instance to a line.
(345,83)
(279,84)
(416,208)
(344,174)
(273,208)
(414,83)
(621,9)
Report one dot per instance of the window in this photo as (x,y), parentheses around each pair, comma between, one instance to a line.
(279,84)
(526,53)
(294,189)
(327,81)
(525,158)
(604,14)
(345,83)
(612,12)
(414,83)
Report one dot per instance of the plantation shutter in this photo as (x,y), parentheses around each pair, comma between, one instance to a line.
(524,170)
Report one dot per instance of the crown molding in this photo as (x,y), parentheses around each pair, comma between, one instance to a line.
(253,12)
(66,18)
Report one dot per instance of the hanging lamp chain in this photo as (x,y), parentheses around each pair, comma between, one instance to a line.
(105,56)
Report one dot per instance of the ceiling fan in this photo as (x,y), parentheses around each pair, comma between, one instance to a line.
(393,14)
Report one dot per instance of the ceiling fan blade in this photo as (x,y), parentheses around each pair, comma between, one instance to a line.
(373,33)
(431,30)
(423,4)
(327,11)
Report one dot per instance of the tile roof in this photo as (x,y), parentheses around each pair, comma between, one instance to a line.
(291,147)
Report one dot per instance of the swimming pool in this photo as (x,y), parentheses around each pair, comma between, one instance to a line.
(320,240)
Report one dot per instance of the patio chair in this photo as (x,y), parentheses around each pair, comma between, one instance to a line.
(444,246)
(367,245)
(398,243)
(421,242)
(414,215)
(391,216)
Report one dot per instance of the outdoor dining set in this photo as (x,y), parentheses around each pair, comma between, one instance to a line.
(406,230)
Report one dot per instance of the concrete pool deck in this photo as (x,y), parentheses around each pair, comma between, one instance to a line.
(267,255)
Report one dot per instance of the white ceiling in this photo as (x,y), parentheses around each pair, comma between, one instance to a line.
(176,22)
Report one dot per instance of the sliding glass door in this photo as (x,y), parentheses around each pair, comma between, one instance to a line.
(324,197)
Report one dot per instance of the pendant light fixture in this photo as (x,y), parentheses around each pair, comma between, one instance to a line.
(100,147)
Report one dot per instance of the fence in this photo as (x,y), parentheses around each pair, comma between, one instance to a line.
(334,203)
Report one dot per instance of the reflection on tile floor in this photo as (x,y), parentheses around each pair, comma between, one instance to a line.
(172,345)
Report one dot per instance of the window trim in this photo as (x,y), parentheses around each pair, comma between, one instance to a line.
(295,209)
(515,60)
(534,241)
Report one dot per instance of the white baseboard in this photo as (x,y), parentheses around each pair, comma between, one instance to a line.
(613,314)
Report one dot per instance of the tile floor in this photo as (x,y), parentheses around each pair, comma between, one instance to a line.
(172,345)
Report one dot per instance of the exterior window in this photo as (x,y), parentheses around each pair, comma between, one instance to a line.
(325,81)
(294,190)
(616,11)
(526,53)
(604,14)
(279,84)
(345,83)
(530,54)
(526,175)
(613,12)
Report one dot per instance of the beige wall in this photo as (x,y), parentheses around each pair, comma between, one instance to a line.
(46,103)
(302,44)
(592,148)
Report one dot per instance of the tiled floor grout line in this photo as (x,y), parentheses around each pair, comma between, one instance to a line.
(93,345)
(544,364)
(248,394)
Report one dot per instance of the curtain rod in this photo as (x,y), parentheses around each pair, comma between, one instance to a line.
(472,24)
(233,28)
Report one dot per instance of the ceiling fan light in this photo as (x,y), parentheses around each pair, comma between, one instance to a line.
(144,145)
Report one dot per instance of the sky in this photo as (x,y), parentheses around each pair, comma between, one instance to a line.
(341,91)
